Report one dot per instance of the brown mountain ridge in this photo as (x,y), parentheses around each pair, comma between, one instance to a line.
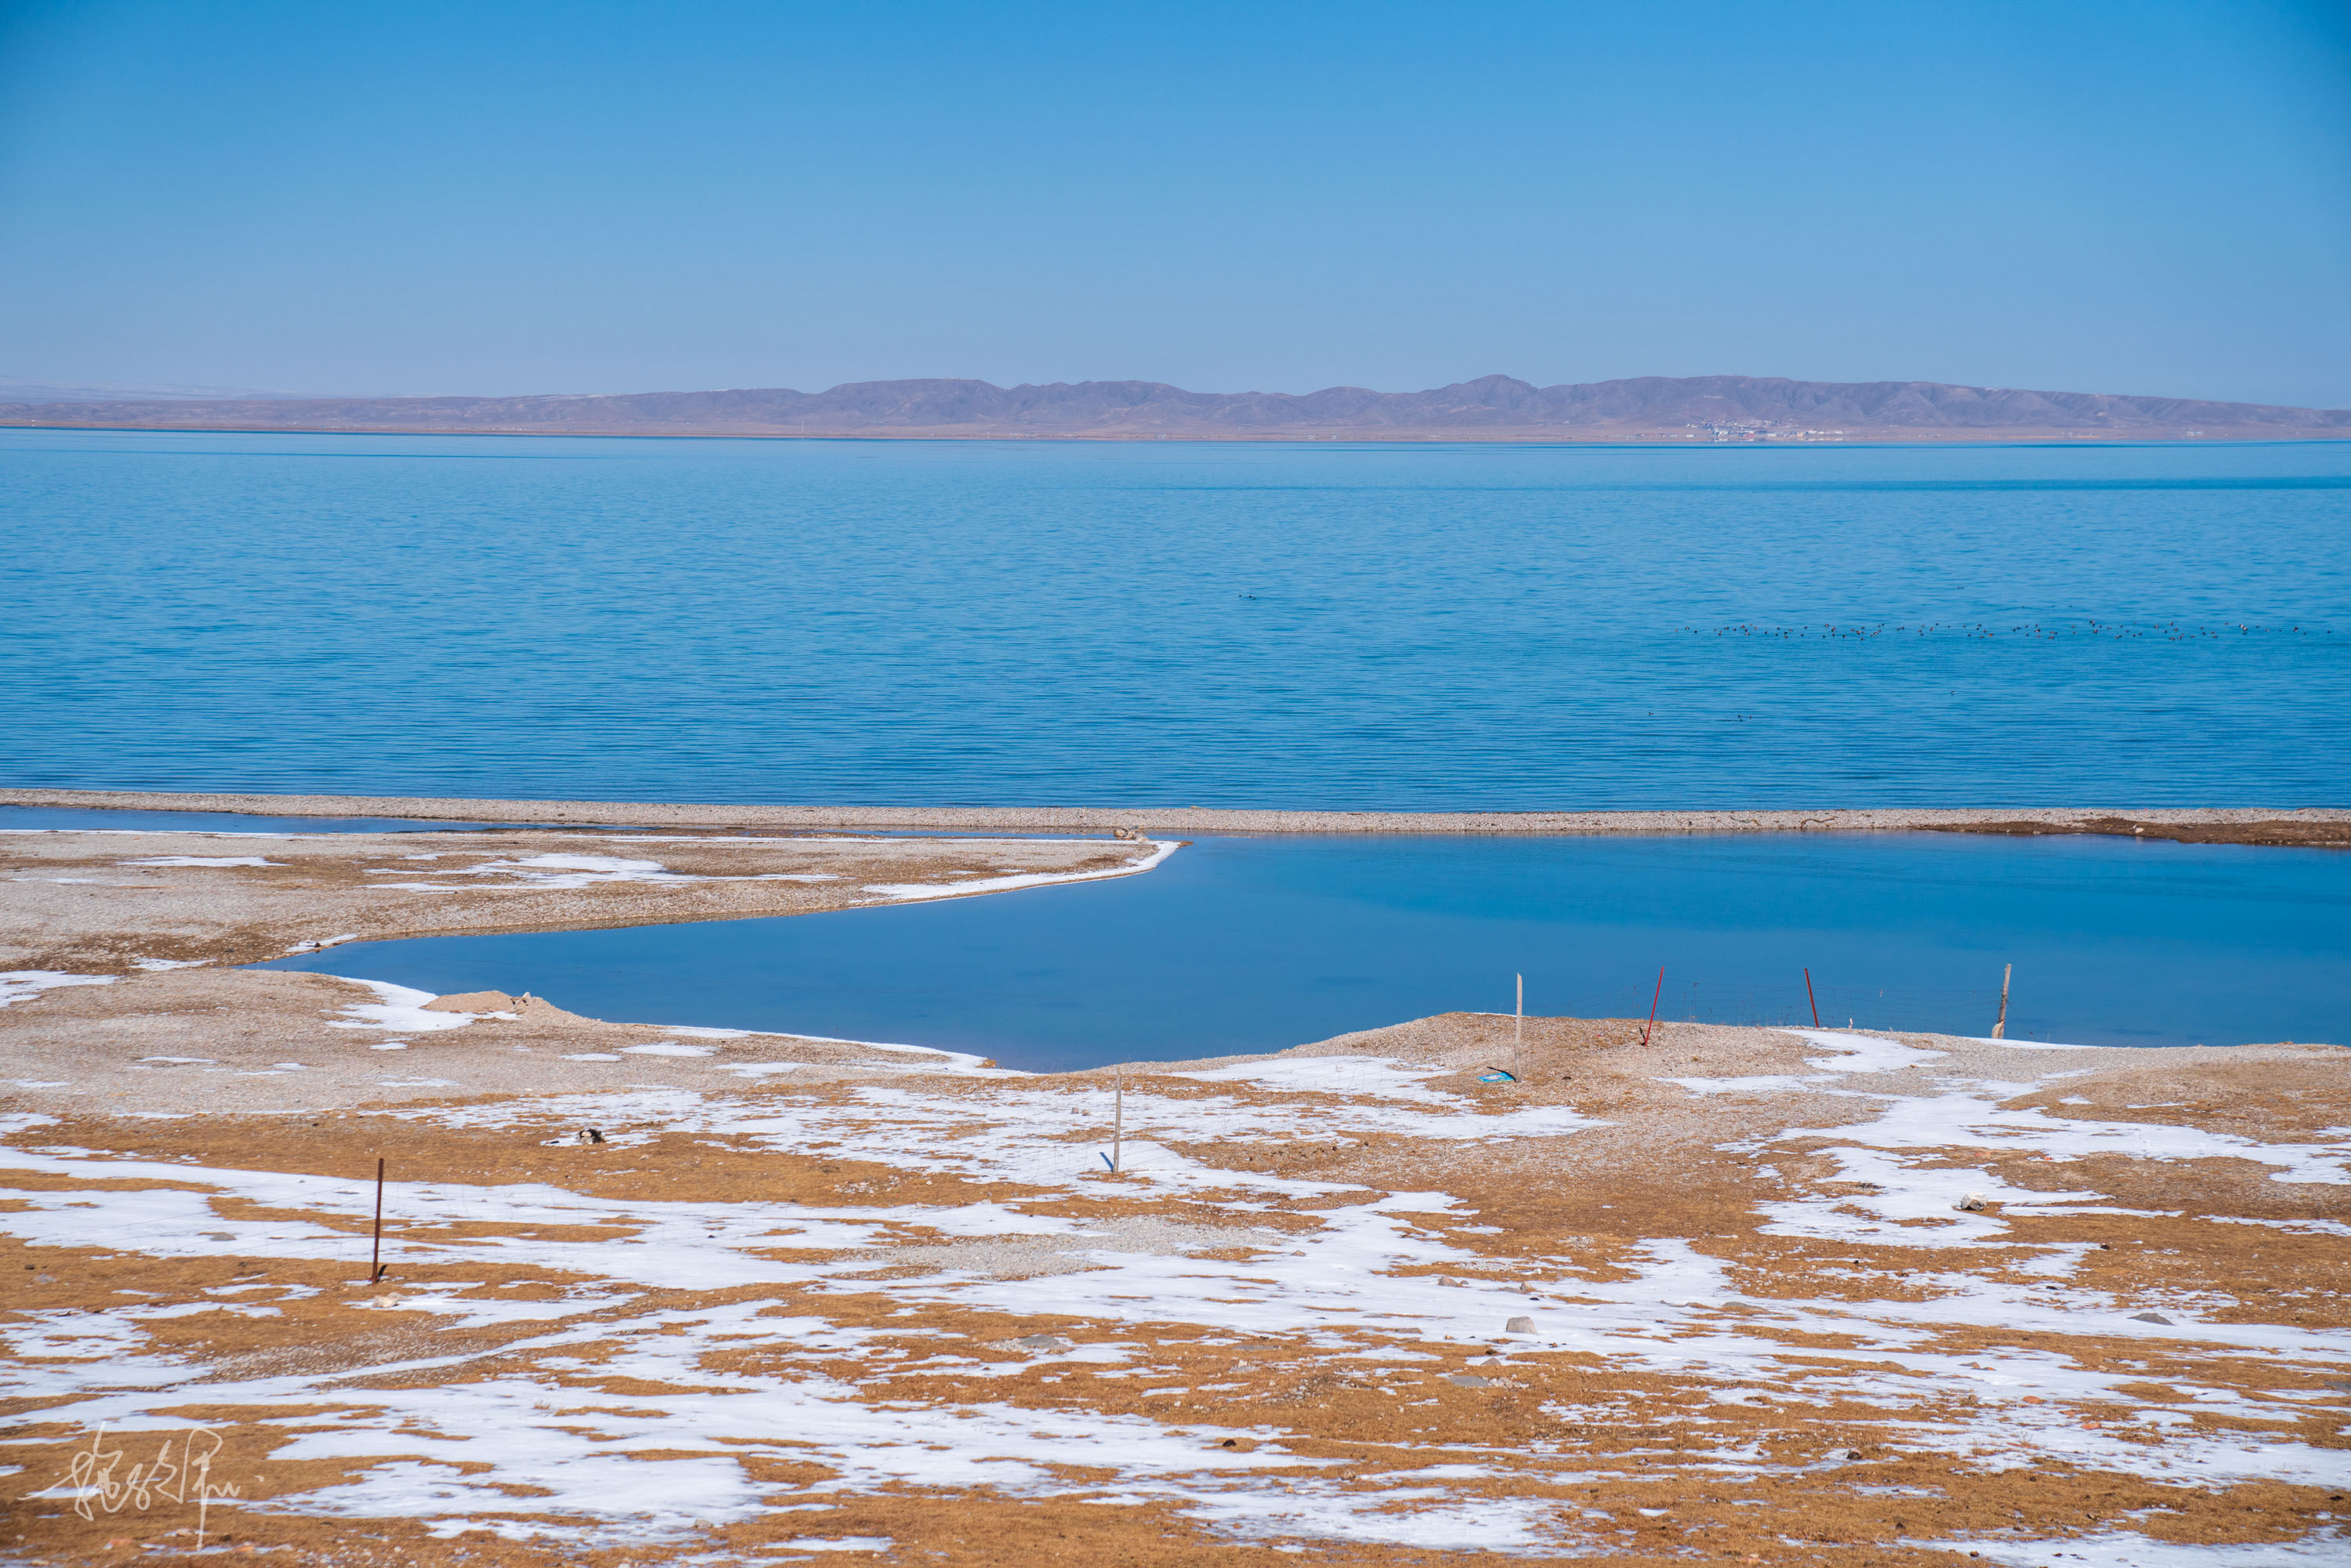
(1652,408)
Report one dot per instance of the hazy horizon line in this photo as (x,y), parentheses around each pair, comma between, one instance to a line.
(14,389)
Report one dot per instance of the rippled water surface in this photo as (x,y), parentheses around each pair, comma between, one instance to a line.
(1177,623)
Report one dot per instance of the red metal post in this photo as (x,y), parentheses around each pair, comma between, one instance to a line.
(1810,998)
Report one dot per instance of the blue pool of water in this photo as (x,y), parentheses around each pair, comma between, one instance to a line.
(1249,944)
(1319,625)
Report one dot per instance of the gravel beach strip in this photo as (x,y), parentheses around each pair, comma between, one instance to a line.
(2313,824)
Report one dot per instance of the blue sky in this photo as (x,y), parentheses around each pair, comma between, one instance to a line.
(484,197)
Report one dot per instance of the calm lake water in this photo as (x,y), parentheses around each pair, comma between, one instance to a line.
(1176,623)
(1249,945)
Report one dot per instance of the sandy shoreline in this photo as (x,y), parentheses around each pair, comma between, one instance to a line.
(120,901)
(2313,824)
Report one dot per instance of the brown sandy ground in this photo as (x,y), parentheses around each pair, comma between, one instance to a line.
(1758,1330)
(83,903)
(2266,824)
(279,1043)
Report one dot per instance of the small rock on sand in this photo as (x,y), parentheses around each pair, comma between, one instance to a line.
(1519,1325)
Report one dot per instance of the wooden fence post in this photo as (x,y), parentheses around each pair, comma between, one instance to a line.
(375,1256)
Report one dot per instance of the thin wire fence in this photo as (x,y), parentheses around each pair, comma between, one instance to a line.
(1904,1009)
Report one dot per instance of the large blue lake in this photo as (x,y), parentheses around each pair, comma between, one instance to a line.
(1249,945)
(1174,623)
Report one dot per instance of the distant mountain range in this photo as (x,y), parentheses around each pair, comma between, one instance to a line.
(1652,408)
(15,392)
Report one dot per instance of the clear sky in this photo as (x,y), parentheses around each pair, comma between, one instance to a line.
(2152,196)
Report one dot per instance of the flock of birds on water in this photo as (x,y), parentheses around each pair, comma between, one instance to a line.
(2169,631)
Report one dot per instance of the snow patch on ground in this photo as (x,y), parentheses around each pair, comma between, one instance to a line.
(532,872)
(1377,1076)
(1761,1084)
(1864,1053)
(961,1063)
(21,984)
(1961,1119)
(322,942)
(909,891)
(400,1009)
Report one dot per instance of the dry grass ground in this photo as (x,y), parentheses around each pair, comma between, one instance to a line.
(846,1303)
(1730,1296)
